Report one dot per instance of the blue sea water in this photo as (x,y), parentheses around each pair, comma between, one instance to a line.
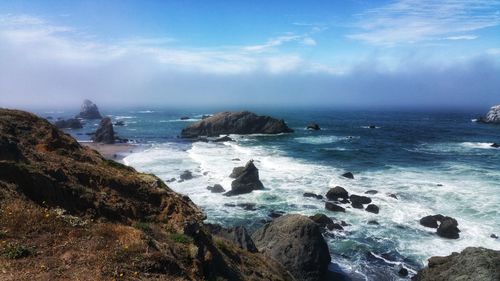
(434,162)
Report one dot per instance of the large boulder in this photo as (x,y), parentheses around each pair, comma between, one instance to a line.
(89,111)
(242,123)
(246,180)
(105,132)
(72,123)
(336,193)
(447,227)
(296,242)
(478,264)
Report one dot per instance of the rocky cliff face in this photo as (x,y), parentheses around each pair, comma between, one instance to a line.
(493,116)
(235,123)
(66,213)
(478,264)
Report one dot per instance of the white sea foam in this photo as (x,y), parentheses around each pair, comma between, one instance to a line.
(145,111)
(465,193)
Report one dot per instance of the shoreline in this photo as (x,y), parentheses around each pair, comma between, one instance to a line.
(116,151)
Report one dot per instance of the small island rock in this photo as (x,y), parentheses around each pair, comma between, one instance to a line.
(89,111)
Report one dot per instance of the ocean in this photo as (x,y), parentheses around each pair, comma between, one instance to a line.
(434,162)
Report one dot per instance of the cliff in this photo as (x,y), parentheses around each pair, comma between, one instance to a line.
(66,213)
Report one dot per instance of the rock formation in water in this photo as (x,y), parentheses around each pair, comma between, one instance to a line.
(69,214)
(105,132)
(478,264)
(89,110)
(493,116)
(246,180)
(242,123)
(447,227)
(296,242)
(72,123)
(313,126)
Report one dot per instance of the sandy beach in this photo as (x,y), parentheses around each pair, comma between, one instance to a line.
(116,151)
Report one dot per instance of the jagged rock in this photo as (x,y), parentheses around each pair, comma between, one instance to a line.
(304,252)
(72,123)
(493,116)
(223,139)
(495,145)
(357,199)
(348,175)
(372,208)
(447,227)
(242,123)
(105,132)
(336,193)
(478,264)
(246,180)
(321,219)
(89,111)
(333,207)
(217,188)
(237,171)
(313,126)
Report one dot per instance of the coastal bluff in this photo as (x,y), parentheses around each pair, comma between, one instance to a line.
(66,213)
(242,123)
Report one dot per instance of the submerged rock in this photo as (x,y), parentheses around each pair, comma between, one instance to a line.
(242,123)
(217,188)
(336,193)
(72,123)
(333,207)
(371,192)
(304,252)
(223,139)
(313,126)
(89,111)
(478,264)
(105,132)
(348,175)
(495,145)
(493,116)
(312,195)
(246,180)
(186,175)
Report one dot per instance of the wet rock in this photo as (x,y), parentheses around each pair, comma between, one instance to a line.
(241,123)
(333,207)
(237,171)
(357,199)
(186,175)
(312,195)
(72,123)
(373,222)
(336,193)
(334,226)
(493,116)
(430,221)
(495,145)
(89,111)
(403,272)
(393,196)
(275,214)
(304,252)
(357,205)
(478,264)
(119,123)
(372,208)
(494,236)
(321,219)
(348,175)
(371,192)
(217,188)
(372,127)
(105,132)
(313,126)
(223,139)
(171,180)
(247,180)
(447,227)
(184,118)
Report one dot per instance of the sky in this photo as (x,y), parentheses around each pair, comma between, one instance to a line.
(378,54)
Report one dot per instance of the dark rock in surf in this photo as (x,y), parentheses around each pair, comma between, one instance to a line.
(119,123)
(186,175)
(348,175)
(246,180)
(393,196)
(333,207)
(373,222)
(304,252)
(495,145)
(357,205)
(430,221)
(403,272)
(217,188)
(371,192)
(372,127)
(184,118)
(493,116)
(89,111)
(321,219)
(447,227)
(372,208)
(337,193)
(312,195)
(72,123)
(242,123)
(357,199)
(275,214)
(494,236)
(223,139)
(105,132)
(313,126)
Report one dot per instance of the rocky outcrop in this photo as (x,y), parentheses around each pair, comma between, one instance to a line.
(495,145)
(217,188)
(296,242)
(89,111)
(372,208)
(105,132)
(246,180)
(478,264)
(57,192)
(236,235)
(223,139)
(447,227)
(313,126)
(493,116)
(348,175)
(334,207)
(337,193)
(242,123)
(72,123)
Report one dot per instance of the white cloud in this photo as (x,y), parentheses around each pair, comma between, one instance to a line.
(411,21)
(462,37)
(308,41)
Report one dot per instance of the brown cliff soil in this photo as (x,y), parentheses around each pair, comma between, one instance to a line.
(66,213)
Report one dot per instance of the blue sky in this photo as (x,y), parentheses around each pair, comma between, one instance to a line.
(329,53)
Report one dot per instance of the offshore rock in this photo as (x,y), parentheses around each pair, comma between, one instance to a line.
(72,123)
(105,132)
(246,180)
(89,111)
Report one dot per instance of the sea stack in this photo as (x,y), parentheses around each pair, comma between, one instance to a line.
(105,132)
(242,123)
(493,116)
(246,180)
(89,111)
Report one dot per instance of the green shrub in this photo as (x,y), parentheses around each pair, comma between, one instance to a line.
(181,238)
(16,251)
(142,226)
